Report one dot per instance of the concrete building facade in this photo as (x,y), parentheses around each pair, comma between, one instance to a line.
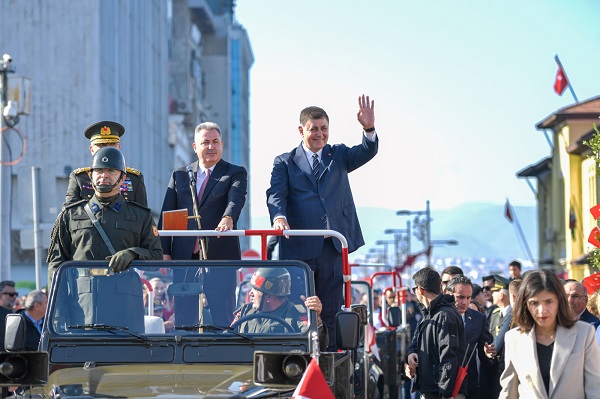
(146,64)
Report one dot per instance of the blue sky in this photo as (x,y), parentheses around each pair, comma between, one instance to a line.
(458,88)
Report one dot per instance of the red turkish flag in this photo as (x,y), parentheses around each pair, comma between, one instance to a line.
(507,212)
(313,384)
(561,82)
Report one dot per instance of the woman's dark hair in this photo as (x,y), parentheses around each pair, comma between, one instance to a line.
(535,282)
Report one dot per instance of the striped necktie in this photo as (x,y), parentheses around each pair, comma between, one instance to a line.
(315,165)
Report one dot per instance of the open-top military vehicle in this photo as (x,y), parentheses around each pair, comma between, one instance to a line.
(99,341)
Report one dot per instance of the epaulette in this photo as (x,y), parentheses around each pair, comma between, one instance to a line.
(140,205)
(81,170)
(300,308)
(497,310)
(71,205)
(132,171)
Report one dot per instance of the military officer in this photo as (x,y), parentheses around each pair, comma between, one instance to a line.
(129,226)
(270,290)
(500,298)
(105,134)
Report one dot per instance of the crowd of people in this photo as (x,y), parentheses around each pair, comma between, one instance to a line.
(528,336)
(515,335)
(105,213)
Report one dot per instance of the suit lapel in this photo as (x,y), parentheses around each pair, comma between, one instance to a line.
(214,178)
(326,159)
(302,162)
(563,346)
(530,353)
(469,327)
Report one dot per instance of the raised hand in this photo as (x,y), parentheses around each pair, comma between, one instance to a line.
(366,112)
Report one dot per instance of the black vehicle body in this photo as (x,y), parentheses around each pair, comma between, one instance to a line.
(110,354)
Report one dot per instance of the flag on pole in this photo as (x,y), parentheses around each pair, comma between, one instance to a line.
(373,348)
(560,82)
(508,212)
(313,384)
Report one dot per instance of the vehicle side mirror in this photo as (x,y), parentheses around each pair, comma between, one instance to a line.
(394,316)
(361,310)
(347,330)
(14,334)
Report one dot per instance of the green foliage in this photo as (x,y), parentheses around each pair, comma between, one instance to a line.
(594,259)
(594,144)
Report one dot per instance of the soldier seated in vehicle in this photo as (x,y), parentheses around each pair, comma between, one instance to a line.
(270,310)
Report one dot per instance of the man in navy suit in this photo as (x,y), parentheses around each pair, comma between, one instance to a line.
(310,190)
(578,299)
(221,194)
(33,312)
(477,332)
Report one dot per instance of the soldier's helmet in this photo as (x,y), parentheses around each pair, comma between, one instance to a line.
(270,280)
(109,158)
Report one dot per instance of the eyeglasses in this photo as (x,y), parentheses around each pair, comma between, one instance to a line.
(414,290)
(577,296)
(485,288)
(445,282)
(11,294)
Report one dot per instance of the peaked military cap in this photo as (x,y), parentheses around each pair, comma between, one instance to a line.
(500,283)
(104,132)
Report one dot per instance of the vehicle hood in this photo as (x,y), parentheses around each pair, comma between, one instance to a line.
(155,381)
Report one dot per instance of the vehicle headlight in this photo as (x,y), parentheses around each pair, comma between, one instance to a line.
(294,366)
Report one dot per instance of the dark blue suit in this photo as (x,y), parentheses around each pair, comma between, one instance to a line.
(224,195)
(310,202)
(477,333)
(588,317)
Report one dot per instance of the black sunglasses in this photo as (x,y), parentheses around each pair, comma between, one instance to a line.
(11,294)
(485,288)
(414,290)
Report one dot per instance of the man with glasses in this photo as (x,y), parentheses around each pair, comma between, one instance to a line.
(477,334)
(578,299)
(449,273)
(486,288)
(439,343)
(9,294)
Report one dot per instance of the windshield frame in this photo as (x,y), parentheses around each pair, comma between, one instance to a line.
(74,269)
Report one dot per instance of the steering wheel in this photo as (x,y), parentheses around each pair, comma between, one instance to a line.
(261,315)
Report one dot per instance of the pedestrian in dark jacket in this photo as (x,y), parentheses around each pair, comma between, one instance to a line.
(439,348)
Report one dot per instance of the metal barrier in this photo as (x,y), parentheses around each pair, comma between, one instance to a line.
(263,234)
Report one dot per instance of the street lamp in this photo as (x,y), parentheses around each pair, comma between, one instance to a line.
(385,244)
(8,117)
(423,227)
(398,239)
(444,242)
(376,253)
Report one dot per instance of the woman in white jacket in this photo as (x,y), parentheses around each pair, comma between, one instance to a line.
(550,355)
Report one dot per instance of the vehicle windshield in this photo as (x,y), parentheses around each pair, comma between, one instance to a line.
(235,299)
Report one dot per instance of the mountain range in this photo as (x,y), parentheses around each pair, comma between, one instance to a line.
(485,236)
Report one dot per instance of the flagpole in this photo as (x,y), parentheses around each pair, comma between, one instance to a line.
(568,80)
(520,230)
